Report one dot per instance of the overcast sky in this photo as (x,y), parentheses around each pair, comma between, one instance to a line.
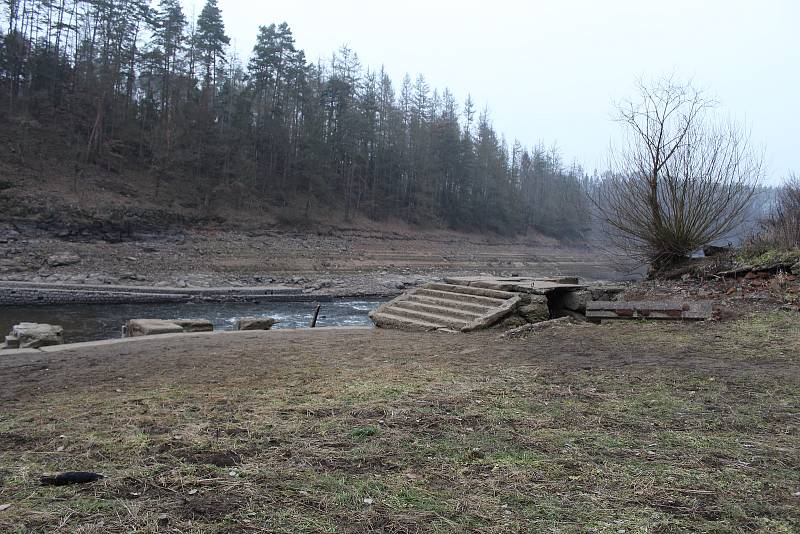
(549,70)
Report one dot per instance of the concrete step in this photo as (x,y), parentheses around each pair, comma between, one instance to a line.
(437,310)
(460,297)
(452,306)
(479,309)
(467,290)
(442,321)
(389,320)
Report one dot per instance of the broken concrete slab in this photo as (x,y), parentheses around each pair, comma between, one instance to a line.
(518,284)
(195,325)
(33,336)
(255,323)
(150,327)
(696,311)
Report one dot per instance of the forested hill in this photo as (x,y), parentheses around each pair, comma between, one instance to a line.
(126,87)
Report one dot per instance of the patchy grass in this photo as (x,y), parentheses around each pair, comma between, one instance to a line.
(758,256)
(701,437)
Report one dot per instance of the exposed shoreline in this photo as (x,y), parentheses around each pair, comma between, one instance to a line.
(14,293)
(310,266)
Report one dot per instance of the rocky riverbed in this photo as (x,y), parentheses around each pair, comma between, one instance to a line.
(337,262)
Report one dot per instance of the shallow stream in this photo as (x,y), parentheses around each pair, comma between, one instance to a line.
(92,322)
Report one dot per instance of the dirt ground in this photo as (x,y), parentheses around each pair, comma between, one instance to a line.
(628,427)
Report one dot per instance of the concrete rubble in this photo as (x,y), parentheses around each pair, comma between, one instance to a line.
(255,323)
(151,327)
(33,336)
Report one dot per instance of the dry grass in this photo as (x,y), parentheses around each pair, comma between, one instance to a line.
(491,437)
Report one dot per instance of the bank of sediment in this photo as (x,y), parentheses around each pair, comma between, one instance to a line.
(37,293)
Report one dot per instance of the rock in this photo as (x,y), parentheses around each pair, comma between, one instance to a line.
(150,327)
(195,325)
(535,309)
(575,300)
(34,335)
(712,250)
(606,292)
(512,321)
(12,265)
(565,313)
(255,323)
(71,477)
(63,258)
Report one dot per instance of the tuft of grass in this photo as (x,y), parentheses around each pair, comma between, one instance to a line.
(363,432)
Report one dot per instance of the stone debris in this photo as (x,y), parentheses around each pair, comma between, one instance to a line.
(33,336)
(63,258)
(527,329)
(195,325)
(255,323)
(152,327)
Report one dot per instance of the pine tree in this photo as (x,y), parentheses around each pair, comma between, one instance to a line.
(210,42)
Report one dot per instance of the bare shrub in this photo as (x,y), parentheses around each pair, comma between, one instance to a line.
(781,229)
(681,179)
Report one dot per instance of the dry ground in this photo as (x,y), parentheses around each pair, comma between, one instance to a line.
(635,427)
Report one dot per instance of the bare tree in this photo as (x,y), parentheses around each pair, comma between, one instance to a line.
(681,178)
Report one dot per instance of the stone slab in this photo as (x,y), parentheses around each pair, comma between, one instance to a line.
(151,327)
(661,310)
(255,323)
(519,284)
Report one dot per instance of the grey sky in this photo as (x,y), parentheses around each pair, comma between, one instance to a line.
(550,70)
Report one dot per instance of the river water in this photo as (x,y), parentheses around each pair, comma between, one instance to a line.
(92,322)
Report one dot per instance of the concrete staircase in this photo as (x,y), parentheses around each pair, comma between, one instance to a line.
(450,306)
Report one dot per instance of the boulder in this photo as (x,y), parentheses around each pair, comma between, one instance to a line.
(713,250)
(34,335)
(150,327)
(606,292)
(255,323)
(63,258)
(575,300)
(534,309)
